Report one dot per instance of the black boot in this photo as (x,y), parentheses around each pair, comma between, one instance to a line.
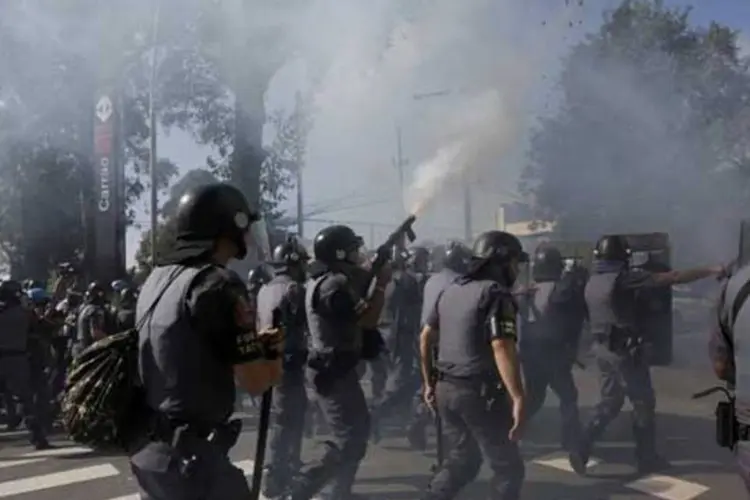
(648,461)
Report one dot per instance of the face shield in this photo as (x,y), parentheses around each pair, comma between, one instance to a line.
(358,254)
(638,259)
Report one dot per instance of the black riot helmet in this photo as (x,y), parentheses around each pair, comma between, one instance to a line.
(290,253)
(337,244)
(612,247)
(498,246)
(258,277)
(456,256)
(212,211)
(494,252)
(548,263)
(419,259)
(95,293)
(128,297)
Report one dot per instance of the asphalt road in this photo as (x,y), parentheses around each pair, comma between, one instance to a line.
(393,472)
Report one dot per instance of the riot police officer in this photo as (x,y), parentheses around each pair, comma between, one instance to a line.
(42,331)
(14,358)
(339,317)
(732,321)
(125,312)
(196,336)
(256,278)
(452,261)
(399,325)
(620,349)
(92,320)
(284,296)
(555,311)
(478,395)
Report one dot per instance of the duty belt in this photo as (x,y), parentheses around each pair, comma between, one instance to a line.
(172,431)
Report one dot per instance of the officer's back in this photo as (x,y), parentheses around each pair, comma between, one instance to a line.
(196,334)
(478,391)
(14,321)
(452,262)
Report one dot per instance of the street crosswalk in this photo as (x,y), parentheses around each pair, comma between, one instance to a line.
(72,472)
(655,485)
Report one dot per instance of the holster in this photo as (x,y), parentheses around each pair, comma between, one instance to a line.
(622,341)
(329,367)
(727,426)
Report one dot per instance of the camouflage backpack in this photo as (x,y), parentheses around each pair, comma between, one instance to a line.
(104,404)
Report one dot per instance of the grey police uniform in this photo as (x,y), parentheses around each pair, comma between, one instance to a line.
(733,322)
(548,345)
(399,324)
(474,408)
(432,290)
(285,295)
(335,352)
(91,317)
(15,369)
(187,348)
(619,352)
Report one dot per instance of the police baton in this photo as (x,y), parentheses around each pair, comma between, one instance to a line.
(263,426)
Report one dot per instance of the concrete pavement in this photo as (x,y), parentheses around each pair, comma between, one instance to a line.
(392,471)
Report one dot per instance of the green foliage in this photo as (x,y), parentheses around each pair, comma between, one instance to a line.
(652,130)
(211,76)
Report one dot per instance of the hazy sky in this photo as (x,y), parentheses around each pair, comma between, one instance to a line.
(367,197)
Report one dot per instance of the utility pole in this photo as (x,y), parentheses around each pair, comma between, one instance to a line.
(152,161)
(298,161)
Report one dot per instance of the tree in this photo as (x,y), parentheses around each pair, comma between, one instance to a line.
(648,134)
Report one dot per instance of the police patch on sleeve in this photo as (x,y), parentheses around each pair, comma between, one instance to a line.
(508,319)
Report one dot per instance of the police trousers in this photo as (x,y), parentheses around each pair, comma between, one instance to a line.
(15,372)
(743,462)
(344,408)
(476,418)
(624,374)
(194,469)
(544,367)
(285,445)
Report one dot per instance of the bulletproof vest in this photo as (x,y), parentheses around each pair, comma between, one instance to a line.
(182,376)
(401,297)
(464,348)
(432,289)
(14,329)
(539,322)
(737,321)
(274,296)
(329,334)
(609,308)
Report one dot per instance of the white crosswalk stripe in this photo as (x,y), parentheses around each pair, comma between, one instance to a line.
(655,485)
(53,469)
(56,479)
